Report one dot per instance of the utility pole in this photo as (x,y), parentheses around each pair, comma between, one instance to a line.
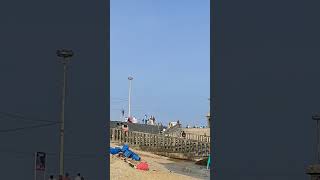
(129,111)
(66,57)
(316,117)
(314,170)
(209,115)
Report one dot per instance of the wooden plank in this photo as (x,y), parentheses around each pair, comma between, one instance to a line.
(120,136)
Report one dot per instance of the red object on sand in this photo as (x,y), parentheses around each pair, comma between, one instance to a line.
(143,166)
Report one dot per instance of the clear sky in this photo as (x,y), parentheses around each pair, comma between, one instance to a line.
(165,46)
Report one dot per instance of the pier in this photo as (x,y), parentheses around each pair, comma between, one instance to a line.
(192,147)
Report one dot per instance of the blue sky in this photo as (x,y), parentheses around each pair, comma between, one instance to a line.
(165,46)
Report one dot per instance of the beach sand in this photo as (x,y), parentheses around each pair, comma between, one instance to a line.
(158,169)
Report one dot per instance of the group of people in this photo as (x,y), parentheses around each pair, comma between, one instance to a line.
(151,120)
(67,177)
(132,120)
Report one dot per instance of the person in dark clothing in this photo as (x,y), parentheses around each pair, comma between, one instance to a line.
(78,177)
(51,177)
(183,134)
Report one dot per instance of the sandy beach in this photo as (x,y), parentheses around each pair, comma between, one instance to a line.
(160,168)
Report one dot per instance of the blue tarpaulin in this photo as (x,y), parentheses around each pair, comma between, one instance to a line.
(126,152)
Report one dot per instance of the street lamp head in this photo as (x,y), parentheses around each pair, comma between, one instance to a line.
(316,117)
(130,78)
(65,53)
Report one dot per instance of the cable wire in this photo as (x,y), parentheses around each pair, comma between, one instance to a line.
(21,117)
(50,154)
(28,127)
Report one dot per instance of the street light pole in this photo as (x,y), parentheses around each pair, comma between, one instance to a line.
(209,115)
(129,111)
(317,118)
(66,55)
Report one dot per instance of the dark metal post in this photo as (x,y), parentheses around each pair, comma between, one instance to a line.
(317,118)
(318,143)
(129,107)
(209,115)
(65,54)
(314,169)
(62,120)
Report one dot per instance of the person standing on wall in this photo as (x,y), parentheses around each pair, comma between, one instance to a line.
(146,119)
(183,134)
(77,177)
(66,177)
(52,178)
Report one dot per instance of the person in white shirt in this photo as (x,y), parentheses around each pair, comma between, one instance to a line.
(134,120)
(78,177)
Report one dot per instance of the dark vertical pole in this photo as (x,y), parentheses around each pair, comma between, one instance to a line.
(62,119)
(35,166)
(65,54)
(318,143)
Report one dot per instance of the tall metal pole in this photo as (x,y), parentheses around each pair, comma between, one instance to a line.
(209,115)
(61,164)
(317,118)
(129,111)
(318,143)
(66,55)
(35,166)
